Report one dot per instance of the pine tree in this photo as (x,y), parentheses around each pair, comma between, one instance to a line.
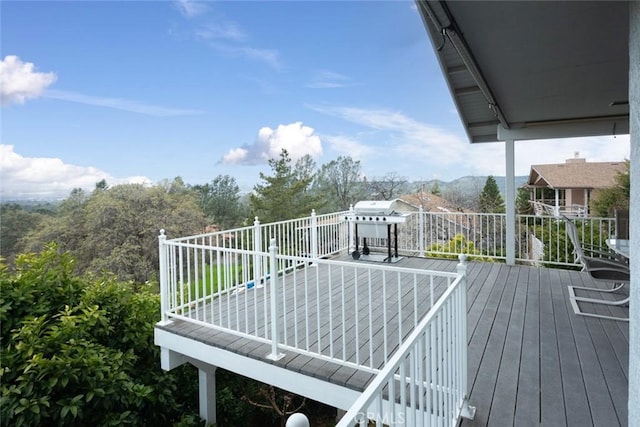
(490,200)
(285,194)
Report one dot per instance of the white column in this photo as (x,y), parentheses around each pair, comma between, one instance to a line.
(634,214)
(557,209)
(510,200)
(207,394)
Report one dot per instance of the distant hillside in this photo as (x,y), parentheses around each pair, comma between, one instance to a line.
(463,192)
(471,184)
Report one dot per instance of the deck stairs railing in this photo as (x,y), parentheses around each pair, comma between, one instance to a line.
(425,381)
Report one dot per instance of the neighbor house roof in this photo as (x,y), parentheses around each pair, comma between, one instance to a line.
(575,173)
(429,202)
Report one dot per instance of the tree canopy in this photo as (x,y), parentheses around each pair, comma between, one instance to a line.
(388,187)
(286,193)
(341,183)
(490,199)
(220,201)
(116,229)
(606,201)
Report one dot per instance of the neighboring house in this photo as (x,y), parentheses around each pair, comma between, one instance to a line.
(567,188)
(428,201)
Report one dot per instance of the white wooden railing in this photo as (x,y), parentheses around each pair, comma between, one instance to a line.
(425,382)
(541,208)
(540,240)
(328,309)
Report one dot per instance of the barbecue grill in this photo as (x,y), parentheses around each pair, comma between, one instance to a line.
(376,219)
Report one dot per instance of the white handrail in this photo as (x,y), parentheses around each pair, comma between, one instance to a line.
(437,381)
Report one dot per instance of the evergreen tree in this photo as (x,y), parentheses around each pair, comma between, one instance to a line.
(523,207)
(606,201)
(285,194)
(435,189)
(490,200)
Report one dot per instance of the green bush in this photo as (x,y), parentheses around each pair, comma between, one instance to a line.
(77,353)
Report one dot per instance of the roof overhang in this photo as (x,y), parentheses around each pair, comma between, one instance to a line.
(510,78)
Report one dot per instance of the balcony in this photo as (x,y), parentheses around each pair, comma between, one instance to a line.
(421,340)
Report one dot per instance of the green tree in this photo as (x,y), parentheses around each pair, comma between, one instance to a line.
(490,200)
(79,353)
(523,207)
(340,181)
(220,201)
(285,194)
(606,201)
(15,223)
(116,229)
(435,189)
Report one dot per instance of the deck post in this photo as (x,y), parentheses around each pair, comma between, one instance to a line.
(207,394)
(466,410)
(257,247)
(421,231)
(314,235)
(352,238)
(510,201)
(275,313)
(164,286)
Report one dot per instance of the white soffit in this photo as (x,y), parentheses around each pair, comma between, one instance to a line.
(538,69)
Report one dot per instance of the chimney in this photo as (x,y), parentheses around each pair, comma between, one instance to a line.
(576,158)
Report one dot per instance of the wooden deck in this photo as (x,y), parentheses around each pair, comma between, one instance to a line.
(531,360)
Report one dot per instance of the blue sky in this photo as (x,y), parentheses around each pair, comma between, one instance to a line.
(150,90)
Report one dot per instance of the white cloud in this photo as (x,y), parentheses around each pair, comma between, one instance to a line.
(119,104)
(297,139)
(221,30)
(190,8)
(19,81)
(421,150)
(47,177)
(270,57)
(326,79)
(407,137)
(350,146)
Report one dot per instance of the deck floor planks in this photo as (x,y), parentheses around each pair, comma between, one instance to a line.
(552,406)
(575,397)
(486,345)
(528,390)
(506,389)
(528,352)
(601,406)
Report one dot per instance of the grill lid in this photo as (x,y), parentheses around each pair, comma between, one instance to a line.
(376,207)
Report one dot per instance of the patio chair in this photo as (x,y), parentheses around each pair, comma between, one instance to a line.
(605,268)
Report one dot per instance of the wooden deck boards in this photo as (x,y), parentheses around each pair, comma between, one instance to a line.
(531,360)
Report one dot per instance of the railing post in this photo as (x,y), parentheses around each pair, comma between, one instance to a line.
(164,285)
(466,411)
(314,235)
(257,248)
(352,230)
(275,312)
(421,231)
